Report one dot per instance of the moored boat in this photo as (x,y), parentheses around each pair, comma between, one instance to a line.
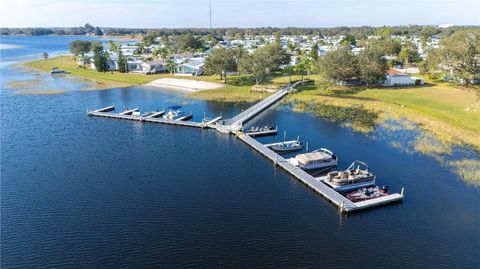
(288,146)
(174,113)
(354,177)
(363,194)
(261,131)
(55,70)
(321,158)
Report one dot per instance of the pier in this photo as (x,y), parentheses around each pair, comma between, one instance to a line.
(154,118)
(343,203)
(234,126)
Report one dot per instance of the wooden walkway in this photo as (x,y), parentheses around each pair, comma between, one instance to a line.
(236,122)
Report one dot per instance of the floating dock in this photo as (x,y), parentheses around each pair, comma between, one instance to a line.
(126,115)
(234,125)
(334,197)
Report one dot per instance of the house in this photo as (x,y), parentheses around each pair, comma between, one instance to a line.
(191,67)
(152,67)
(397,78)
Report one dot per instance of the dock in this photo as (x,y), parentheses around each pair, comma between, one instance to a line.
(234,126)
(156,114)
(331,195)
(126,115)
(129,111)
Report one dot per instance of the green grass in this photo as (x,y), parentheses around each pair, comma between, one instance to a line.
(438,107)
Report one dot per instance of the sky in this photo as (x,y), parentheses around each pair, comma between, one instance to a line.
(236,13)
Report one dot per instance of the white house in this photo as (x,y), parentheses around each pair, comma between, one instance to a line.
(396,78)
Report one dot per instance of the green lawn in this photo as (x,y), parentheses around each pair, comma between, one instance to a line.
(446,109)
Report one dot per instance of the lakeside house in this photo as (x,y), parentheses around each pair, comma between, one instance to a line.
(191,67)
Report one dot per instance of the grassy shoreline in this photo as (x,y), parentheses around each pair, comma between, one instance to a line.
(451,112)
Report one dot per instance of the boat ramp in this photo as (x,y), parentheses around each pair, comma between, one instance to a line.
(234,126)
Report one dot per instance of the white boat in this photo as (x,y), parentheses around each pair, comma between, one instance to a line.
(174,113)
(320,158)
(356,176)
(285,147)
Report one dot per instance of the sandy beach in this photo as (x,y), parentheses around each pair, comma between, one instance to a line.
(184,84)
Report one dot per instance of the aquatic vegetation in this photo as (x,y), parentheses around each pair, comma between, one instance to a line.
(22,84)
(427,144)
(40,92)
(356,116)
(410,138)
(468,169)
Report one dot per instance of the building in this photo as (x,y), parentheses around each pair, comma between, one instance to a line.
(191,67)
(397,78)
(152,67)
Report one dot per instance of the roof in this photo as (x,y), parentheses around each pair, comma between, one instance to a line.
(312,156)
(195,62)
(393,72)
(155,62)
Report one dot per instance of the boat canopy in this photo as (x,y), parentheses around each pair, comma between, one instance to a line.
(175,107)
(307,158)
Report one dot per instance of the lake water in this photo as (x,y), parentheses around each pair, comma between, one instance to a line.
(88,192)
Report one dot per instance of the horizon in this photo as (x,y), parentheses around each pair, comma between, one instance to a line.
(232,14)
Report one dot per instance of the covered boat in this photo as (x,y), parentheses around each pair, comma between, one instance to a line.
(321,158)
(368,193)
(356,176)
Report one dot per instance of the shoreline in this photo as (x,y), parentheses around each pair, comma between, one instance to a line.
(424,106)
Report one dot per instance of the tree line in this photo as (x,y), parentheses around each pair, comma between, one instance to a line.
(358,32)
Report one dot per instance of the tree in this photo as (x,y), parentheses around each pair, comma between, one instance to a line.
(163,52)
(170,66)
(339,65)
(457,55)
(278,55)
(189,42)
(384,32)
(45,55)
(99,57)
(259,64)
(98,31)
(314,52)
(305,65)
(112,46)
(426,34)
(388,46)
(349,40)
(88,28)
(122,63)
(220,62)
(371,66)
(79,47)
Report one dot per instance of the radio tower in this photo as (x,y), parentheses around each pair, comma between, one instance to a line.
(210,14)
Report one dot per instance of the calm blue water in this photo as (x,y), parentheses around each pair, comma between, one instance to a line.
(89,192)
